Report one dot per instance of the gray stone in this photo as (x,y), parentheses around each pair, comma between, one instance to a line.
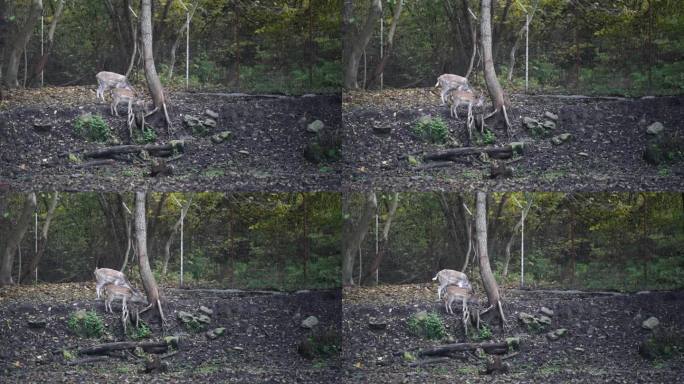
(651,323)
(546,311)
(548,124)
(315,126)
(206,310)
(551,115)
(421,316)
(655,128)
(310,322)
(204,319)
(191,121)
(221,137)
(211,335)
(377,325)
(544,320)
(513,342)
(530,123)
(37,323)
(185,317)
(212,114)
(560,139)
(211,123)
(558,333)
(382,130)
(172,340)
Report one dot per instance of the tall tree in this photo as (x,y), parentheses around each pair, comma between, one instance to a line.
(33,263)
(355,43)
(172,234)
(153,82)
(380,68)
(493,86)
(391,210)
(40,64)
(146,275)
(354,231)
(18,41)
(14,238)
(488,279)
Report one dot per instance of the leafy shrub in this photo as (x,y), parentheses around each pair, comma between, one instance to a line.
(432,129)
(148,135)
(142,332)
(86,324)
(92,127)
(428,326)
(485,138)
(663,344)
(485,333)
(322,344)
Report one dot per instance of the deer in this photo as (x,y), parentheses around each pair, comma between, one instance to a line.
(107,80)
(455,292)
(106,276)
(115,292)
(449,276)
(448,82)
(456,97)
(127,96)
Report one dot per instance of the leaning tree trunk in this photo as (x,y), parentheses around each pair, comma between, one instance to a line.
(33,263)
(14,238)
(354,233)
(19,42)
(153,82)
(488,280)
(357,43)
(174,230)
(493,85)
(148,280)
(385,237)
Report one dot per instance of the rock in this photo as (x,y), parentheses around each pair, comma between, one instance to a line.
(206,310)
(583,154)
(546,311)
(651,323)
(204,319)
(655,128)
(500,170)
(530,123)
(551,115)
(185,317)
(526,318)
(191,121)
(544,320)
(302,291)
(558,333)
(37,323)
(377,325)
(533,322)
(172,341)
(309,322)
(219,331)
(382,130)
(214,333)
(211,123)
(560,139)
(517,147)
(80,314)
(221,137)
(421,316)
(315,126)
(73,158)
(42,127)
(238,348)
(513,342)
(548,124)
(212,114)
(159,167)
(413,160)
(653,154)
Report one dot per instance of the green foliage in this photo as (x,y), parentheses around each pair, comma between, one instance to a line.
(485,333)
(485,138)
(432,129)
(430,327)
(148,135)
(92,127)
(142,332)
(86,324)
(322,344)
(664,344)
(194,326)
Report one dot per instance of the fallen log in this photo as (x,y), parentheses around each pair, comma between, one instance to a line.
(434,360)
(95,163)
(504,152)
(489,348)
(148,346)
(152,149)
(87,360)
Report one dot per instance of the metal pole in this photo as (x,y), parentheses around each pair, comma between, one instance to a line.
(527,49)
(36,244)
(42,38)
(377,245)
(382,32)
(187,50)
(522,251)
(181,247)
(360,263)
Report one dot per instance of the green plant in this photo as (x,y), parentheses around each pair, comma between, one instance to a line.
(142,332)
(429,326)
(662,345)
(86,324)
(485,333)
(432,129)
(486,138)
(147,135)
(321,345)
(92,127)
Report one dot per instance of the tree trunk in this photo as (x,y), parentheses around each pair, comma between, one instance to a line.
(305,233)
(385,236)
(40,65)
(33,263)
(380,68)
(488,280)
(354,233)
(174,230)
(518,38)
(153,82)
(179,36)
(493,85)
(14,238)
(514,234)
(19,42)
(357,43)
(141,244)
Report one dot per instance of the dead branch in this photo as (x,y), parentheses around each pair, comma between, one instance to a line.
(87,360)
(489,348)
(148,346)
(153,149)
(496,152)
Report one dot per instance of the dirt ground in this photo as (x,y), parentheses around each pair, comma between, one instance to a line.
(601,346)
(259,346)
(604,154)
(264,153)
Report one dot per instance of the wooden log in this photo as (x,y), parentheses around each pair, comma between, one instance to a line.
(87,360)
(434,360)
(504,152)
(148,346)
(153,149)
(95,163)
(489,348)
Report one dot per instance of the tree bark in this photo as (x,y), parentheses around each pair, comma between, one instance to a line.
(15,237)
(153,82)
(174,230)
(141,245)
(385,236)
(33,263)
(354,233)
(19,42)
(493,85)
(357,43)
(488,280)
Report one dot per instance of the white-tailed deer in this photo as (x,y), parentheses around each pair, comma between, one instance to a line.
(456,97)
(116,292)
(448,277)
(454,293)
(128,96)
(107,80)
(448,82)
(106,276)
